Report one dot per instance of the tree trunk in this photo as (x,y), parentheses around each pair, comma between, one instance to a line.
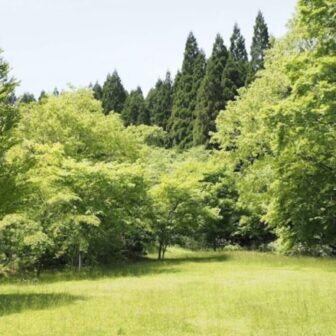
(164,251)
(160,251)
(79,261)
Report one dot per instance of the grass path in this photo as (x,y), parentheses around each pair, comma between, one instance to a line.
(232,293)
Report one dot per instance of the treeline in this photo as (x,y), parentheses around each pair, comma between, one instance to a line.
(82,184)
(187,106)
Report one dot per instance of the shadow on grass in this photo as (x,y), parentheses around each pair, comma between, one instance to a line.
(142,267)
(198,259)
(17,303)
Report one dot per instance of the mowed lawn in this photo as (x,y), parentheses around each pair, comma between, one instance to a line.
(224,293)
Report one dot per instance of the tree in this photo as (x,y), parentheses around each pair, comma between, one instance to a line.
(22,241)
(210,95)
(12,99)
(178,204)
(186,87)
(279,136)
(42,96)
(135,111)
(159,102)
(233,78)
(114,95)
(97,91)
(56,93)
(303,195)
(222,194)
(8,119)
(149,135)
(260,43)
(246,141)
(27,98)
(239,57)
(62,160)
(237,47)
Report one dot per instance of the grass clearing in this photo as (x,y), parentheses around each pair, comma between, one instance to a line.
(203,293)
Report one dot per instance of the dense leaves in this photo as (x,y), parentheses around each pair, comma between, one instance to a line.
(112,94)
(210,98)
(85,178)
(260,43)
(135,111)
(186,87)
(279,136)
(159,102)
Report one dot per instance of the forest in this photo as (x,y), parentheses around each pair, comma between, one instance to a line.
(238,149)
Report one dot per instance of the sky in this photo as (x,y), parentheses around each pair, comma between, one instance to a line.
(53,43)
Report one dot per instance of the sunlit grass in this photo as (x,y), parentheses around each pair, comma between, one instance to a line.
(203,293)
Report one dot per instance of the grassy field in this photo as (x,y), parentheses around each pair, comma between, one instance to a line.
(226,293)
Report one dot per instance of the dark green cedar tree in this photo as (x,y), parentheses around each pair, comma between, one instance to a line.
(186,87)
(114,94)
(210,95)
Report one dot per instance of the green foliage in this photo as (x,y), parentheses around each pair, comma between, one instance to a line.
(246,142)
(237,47)
(8,120)
(210,98)
(43,95)
(159,102)
(236,76)
(233,78)
(280,138)
(113,95)
(260,43)
(150,135)
(135,111)
(221,194)
(306,158)
(73,167)
(27,98)
(77,186)
(318,19)
(56,93)
(76,121)
(179,204)
(186,86)
(98,92)
(22,241)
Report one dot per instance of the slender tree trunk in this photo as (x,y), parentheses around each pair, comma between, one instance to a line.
(160,251)
(164,251)
(79,261)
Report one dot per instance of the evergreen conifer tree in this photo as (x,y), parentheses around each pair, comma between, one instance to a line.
(113,94)
(260,43)
(27,98)
(233,78)
(135,111)
(42,95)
(159,102)
(97,91)
(185,93)
(210,95)
(237,47)
(239,54)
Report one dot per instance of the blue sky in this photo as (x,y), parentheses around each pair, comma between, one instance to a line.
(51,43)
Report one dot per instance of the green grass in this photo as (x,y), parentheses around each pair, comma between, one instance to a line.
(226,293)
